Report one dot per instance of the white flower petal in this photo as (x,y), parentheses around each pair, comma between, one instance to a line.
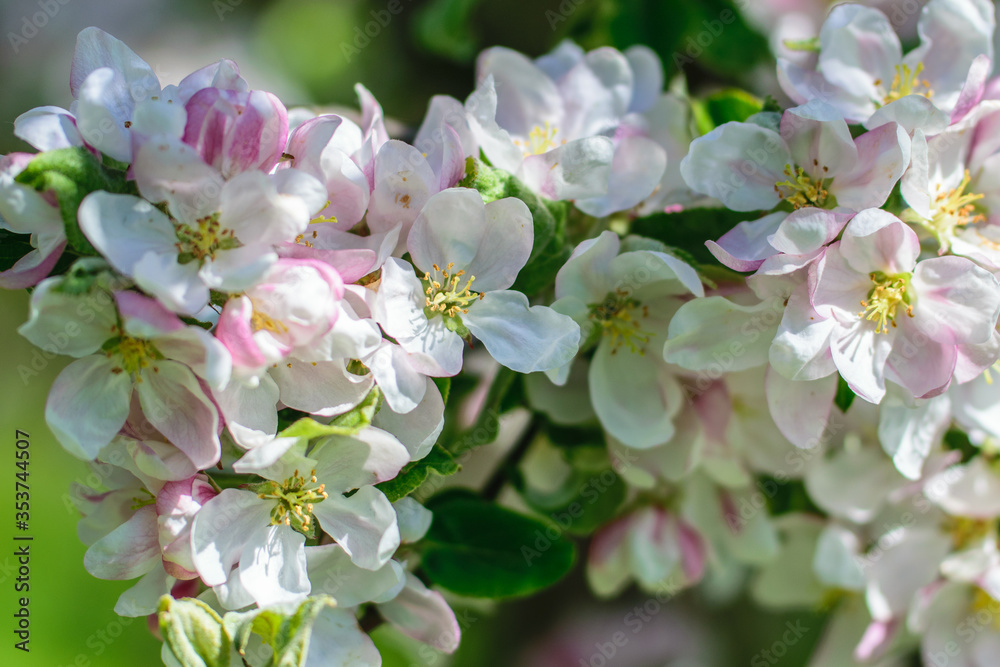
(522,338)
(274,571)
(130,550)
(88,404)
(364,525)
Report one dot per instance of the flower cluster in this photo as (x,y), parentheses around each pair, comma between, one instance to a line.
(265,308)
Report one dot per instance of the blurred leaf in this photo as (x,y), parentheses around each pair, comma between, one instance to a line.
(959,441)
(445,27)
(786,496)
(710,34)
(444,386)
(688,230)
(724,106)
(413,475)
(479,549)
(585,501)
(844,396)
(487,425)
(316,43)
(12,248)
(571,437)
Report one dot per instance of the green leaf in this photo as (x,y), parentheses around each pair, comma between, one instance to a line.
(479,549)
(541,273)
(438,461)
(688,230)
(844,396)
(724,106)
(349,423)
(194,633)
(71,174)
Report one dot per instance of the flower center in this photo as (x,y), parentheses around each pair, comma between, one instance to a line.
(884,298)
(261,320)
(445,292)
(202,240)
(134,354)
(983,601)
(616,317)
(540,140)
(951,210)
(294,498)
(801,189)
(906,82)
(965,531)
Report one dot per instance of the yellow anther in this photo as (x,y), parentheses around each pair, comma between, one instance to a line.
(135,354)
(952,210)
(540,140)
(905,82)
(321,218)
(295,499)
(618,316)
(885,298)
(203,239)
(448,295)
(261,320)
(800,189)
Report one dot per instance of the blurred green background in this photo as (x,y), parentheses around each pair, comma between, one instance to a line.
(312,52)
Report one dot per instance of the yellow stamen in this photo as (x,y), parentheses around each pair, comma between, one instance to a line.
(618,316)
(445,293)
(203,240)
(540,140)
(800,189)
(906,82)
(295,498)
(885,298)
(952,210)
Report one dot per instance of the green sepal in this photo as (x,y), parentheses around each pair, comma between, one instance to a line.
(287,634)
(71,174)
(194,633)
